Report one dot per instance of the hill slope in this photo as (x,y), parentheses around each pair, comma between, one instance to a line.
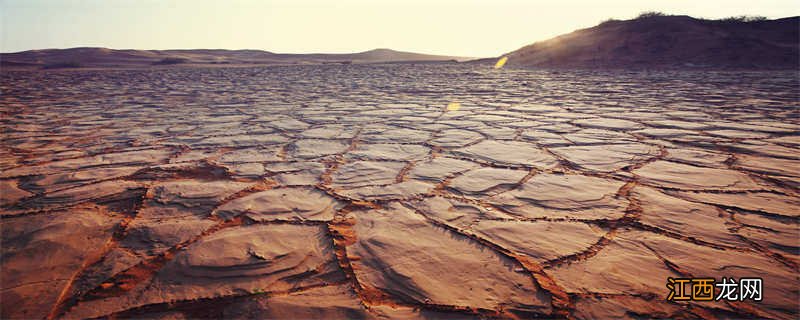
(670,41)
(103,57)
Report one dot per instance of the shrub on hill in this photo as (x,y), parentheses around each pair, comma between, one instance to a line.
(744,19)
(651,14)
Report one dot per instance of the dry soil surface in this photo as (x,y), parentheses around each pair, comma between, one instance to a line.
(353,192)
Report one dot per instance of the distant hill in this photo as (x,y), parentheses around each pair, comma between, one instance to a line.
(670,41)
(103,57)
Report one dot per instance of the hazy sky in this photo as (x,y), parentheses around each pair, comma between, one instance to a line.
(453,27)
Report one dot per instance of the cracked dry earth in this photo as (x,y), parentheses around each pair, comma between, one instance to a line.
(350,192)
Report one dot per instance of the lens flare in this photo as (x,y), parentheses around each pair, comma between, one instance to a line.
(500,63)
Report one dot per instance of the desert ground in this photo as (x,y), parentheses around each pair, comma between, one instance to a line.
(396,191)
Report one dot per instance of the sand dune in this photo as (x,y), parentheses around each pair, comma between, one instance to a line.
(670,41)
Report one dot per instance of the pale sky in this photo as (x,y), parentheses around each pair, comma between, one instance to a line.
(473,28)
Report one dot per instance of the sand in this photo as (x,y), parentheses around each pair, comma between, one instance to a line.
(335,192)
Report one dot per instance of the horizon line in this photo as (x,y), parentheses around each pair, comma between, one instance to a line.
(246,49)
(384,48)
